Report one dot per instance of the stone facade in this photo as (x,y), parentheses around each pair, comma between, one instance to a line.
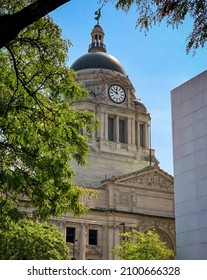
(140,200)
(108,158)
(131,191)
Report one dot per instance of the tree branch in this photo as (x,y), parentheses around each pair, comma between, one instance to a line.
(11,25)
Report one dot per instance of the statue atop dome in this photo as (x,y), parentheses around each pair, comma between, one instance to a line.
(98,15)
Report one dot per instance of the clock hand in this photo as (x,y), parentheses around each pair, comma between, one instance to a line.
(114,91)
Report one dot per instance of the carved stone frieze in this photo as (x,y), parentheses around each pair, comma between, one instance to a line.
(93,251)
(124,199)
(133,199)
(152,179)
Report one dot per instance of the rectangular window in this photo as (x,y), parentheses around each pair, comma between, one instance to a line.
(142,136)
(136,134)
(70,234)
(111,127)
(93,237)
(122,131)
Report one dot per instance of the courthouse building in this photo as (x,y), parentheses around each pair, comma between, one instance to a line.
(132,191)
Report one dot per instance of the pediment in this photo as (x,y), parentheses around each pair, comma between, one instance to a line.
(154,178)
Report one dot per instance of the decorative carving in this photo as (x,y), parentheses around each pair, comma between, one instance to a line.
(116,196)
(164,237)
(151,179)
(124,199)
(93,251)
(133,199)
(121,198)
(101,198)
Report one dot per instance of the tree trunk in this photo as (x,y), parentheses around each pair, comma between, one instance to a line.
(11,25)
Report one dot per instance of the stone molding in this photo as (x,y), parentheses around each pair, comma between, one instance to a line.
(152,179)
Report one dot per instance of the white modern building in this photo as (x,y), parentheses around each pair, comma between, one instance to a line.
(189,121)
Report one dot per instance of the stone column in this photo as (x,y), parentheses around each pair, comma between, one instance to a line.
(146,135)
(117,129)
(129,131)
(111,238)
(104,243)
(133,131)
(62,227)
(82,242)
(116,238)
(106,126)
(138,134)
(102,125)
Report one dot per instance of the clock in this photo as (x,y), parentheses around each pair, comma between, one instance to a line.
(117,94)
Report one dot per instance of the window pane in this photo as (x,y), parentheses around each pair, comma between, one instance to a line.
(136,136)
(93,237)
(70,234)
(111,129)
(122,131)
(142,136)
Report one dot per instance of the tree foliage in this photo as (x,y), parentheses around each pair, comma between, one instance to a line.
(39,130)
(12,22)
(150,12)
(174,13)
(29,240)
(137,245)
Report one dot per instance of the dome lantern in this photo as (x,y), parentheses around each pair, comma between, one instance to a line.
(97,56)
(97,36)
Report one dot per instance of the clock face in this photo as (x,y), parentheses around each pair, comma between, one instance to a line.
(117,94)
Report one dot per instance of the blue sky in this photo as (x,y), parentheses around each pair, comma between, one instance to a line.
(155,63)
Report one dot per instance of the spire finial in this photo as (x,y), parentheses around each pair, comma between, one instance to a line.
(98,14)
